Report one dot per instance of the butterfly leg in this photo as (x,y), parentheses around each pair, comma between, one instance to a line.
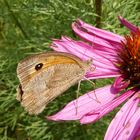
(94,89)
(77,95)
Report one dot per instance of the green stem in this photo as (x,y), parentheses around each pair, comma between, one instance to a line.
(98,4)
(15,19)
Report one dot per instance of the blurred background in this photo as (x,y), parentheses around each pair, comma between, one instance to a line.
(27,27)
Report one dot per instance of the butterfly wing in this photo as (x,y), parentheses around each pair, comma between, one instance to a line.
(42,87)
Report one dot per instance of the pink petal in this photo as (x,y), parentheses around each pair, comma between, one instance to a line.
(119,83)
(94,40)
(122,120)
(129,25)
(104,66)
(81,27)
(84,104)
(129,131)
(99,74)
(100,112)
(109,52)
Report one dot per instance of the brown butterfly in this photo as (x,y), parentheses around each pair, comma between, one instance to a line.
(45,76)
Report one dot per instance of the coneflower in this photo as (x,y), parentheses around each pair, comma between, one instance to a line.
(113,56)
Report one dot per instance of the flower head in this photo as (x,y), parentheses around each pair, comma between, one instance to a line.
(113,56)
(129,63)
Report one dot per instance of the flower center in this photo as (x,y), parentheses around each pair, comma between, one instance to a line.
(130,59)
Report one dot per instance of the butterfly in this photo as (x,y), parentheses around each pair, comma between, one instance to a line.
(45,76)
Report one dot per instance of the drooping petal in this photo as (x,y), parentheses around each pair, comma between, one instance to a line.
(120,83)
(129,25)
(123,126)
(100,112)
(84,104)
(103,50)
(104,65)
(85,30)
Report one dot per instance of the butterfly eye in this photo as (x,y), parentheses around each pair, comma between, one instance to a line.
(38,66)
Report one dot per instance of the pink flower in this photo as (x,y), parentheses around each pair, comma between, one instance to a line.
(113,56)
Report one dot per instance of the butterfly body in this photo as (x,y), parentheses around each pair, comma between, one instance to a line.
(45,76)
